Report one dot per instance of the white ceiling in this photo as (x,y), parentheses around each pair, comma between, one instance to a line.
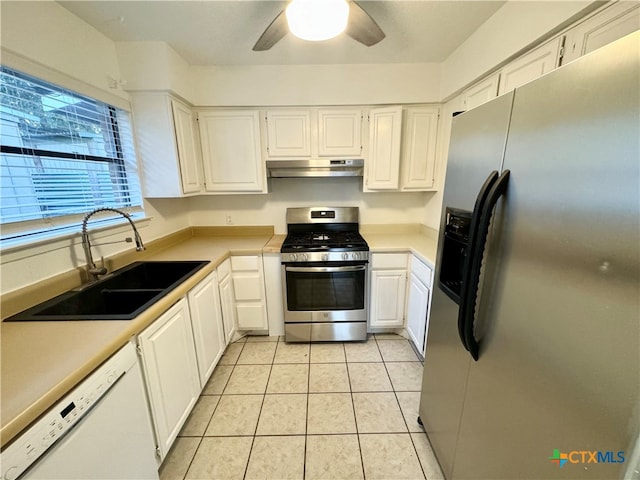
(224,32)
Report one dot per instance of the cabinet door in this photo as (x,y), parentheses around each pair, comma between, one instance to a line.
(606,26)
(339,133)
(188,146)
(387,298)
(228,301)
(249,290)
(171,372)
(419,148)
(157,146)
(530,66)
(417,309)
(383,164)
(274,293)
(289,133)
(206,320)
(481,92)
(231,151)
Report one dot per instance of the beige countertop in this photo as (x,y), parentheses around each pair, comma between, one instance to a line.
(417,239)
(42,361)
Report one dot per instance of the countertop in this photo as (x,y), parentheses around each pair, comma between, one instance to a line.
(419,240)
(42,361)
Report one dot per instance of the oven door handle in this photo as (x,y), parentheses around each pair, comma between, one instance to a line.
(350,268)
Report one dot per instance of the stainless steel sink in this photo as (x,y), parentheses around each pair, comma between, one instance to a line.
(122,296)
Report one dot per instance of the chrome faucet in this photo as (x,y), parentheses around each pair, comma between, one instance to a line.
(92,269)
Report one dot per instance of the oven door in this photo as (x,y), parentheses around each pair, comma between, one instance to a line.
(330,292)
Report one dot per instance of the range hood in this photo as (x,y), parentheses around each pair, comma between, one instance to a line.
(315,168)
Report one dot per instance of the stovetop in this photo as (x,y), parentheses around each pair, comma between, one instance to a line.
(324,241)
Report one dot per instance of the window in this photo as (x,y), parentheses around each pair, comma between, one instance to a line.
(62,155)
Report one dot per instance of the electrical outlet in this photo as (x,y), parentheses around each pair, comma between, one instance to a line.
(229,219)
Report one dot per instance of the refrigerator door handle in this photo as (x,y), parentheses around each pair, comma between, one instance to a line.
(481,199)
(468,304)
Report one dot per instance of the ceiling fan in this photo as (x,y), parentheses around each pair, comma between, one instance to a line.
(360,26)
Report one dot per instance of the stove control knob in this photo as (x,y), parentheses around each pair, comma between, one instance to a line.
(354,256)
(294,256)
(325,257)
(345,256)
(304,257)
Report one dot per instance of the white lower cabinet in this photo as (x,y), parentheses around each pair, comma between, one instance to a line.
(249,291)
(206,320)
(420,282)
(171,372)
(388,290)
(227,300)
(273,290)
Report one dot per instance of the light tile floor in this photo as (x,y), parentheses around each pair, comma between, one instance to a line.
(273,410)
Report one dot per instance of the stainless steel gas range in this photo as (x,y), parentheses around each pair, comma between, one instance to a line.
(325,264)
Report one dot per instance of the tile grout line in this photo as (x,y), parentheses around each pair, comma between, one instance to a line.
(353,407)
(255,431)
(212,413)
(395,394)
(192,458)
(308,394)
(306,418)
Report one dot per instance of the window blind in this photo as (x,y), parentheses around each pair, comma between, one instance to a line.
(62,154)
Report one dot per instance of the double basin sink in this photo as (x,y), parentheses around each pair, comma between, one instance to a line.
(122,295)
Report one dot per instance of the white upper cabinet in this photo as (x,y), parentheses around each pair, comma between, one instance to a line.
(530,66)
(382,170)
(604,27)
(481,92)
(340,132)
(231,151)
(313,132)
(168,145)
(188,144)
(288,133)
(417,166)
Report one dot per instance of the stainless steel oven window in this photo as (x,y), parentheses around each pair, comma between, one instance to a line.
(325,288)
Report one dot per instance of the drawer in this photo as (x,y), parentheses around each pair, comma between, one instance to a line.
(224,269)
(247,286)
(383,261)
(248,263)
(421,271)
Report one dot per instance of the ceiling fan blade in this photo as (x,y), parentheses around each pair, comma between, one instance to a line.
(362,27)
(272,35)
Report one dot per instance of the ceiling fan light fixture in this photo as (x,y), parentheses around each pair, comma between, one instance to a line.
(317,20)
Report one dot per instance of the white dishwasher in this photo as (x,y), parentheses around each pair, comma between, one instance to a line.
(101,430)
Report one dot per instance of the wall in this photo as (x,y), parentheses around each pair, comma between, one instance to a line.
(514,27)
(29,265)
(46,33)
(317,84)
(433,207)
(58,43)
(375,208)
(154,66)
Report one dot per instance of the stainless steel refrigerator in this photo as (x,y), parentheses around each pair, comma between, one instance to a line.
(533,346)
